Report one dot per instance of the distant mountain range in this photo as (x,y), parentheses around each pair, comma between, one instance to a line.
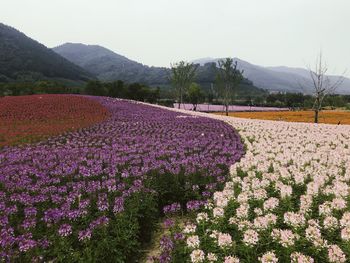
(24,59)
(108,65)
(284,79)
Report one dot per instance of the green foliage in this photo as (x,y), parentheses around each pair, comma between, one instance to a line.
(228,78)
(39,87)
(95,88)
(195,94)
(118,89)
(182,75)
(299,100)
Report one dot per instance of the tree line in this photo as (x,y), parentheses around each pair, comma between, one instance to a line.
(116,89)
(194,94)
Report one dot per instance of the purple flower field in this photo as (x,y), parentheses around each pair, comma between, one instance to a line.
(221,108)
(68,196)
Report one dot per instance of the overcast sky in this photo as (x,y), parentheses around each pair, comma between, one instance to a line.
(158,32)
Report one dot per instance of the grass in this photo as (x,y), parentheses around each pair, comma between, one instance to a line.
(327,116)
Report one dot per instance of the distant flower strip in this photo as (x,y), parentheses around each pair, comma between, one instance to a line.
(73,185)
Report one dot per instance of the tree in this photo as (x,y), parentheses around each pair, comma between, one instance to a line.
(195,95)
(321,84)
(116,89)
(182,75)
(2,91)
(95,88)
(228,78)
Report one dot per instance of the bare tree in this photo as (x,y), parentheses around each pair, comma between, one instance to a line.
(321,84)
(228,78)
(182,75)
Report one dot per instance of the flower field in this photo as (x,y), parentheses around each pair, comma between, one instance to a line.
(31,118)
(287,200)
(97,192)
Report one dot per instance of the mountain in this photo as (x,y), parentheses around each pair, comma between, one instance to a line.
(284,79)
(109,66)
(305,74)
(24,59)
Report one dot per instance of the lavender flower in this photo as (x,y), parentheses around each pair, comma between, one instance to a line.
(65,230)
(84,235)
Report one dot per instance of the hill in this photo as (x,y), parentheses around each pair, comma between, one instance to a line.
(24,59)
(284,79)
(109,66)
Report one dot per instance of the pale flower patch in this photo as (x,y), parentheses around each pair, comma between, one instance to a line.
(289,192)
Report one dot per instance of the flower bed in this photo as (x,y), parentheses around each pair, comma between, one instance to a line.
(288,199)
(95,193)
(26,119)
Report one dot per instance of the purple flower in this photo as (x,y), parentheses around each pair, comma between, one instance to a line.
(84,235)
(102,203)
(168,223)
(195,205)
(179,236)
(166,243)
(65,230)
(172,208)
(26,244)
(118,205)
(101,221)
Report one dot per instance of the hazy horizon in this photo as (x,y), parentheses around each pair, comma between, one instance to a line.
(159,32)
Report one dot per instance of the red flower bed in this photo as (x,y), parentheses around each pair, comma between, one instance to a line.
(26,119)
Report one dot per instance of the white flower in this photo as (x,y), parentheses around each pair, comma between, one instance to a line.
(231,259)
(218,212)
(330,222)
(212,257)
(269,257)
(297,257)
(335,254)
(190,228)
(271,204)
(251,237)
(202,217)
(345,233)
(224,240)
(193,241)
(197,256)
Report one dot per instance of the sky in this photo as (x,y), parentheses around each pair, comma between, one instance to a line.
(160,32)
